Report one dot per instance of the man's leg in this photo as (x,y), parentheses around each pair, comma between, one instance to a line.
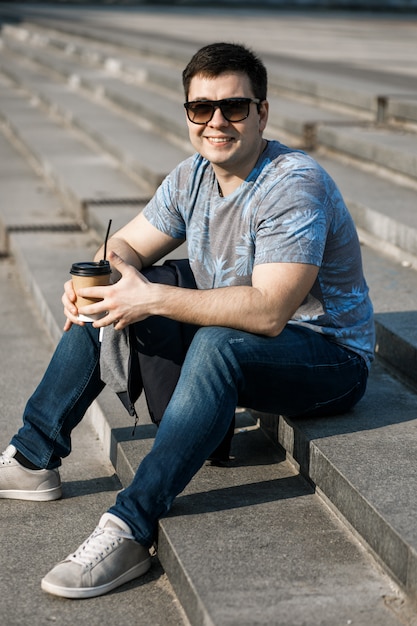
(298,372)
(70,384)
(28,467)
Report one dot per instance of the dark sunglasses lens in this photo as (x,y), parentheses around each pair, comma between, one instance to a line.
(232,110)
(235,111)
(200,112)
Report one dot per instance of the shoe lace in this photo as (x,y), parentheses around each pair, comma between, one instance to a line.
(99,544)
(5,459)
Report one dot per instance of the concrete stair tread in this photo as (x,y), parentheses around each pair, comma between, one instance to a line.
(389,147)
(393,149)
(290,113)
(76,171)
(162,72)
(141,151)
(380,207)
(251,513)
(164,114)
(152,44)
(343,85)
(363,464)
(393,290)
(368,198)
(26,202)
(25,199)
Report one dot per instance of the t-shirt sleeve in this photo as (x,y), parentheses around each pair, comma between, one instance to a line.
(163,212)
(293,220)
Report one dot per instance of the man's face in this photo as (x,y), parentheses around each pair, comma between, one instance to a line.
(232,147)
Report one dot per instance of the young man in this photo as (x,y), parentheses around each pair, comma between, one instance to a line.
(280,314)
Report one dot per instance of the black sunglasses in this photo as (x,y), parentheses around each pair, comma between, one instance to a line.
(233,109)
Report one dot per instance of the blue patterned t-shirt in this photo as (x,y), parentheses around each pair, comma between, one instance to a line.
(288,210)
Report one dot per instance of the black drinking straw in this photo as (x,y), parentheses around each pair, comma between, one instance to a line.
(105,243)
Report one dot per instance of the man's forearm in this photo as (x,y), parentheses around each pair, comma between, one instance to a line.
(244,308)
(263,308)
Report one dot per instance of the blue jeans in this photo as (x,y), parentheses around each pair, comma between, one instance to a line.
(299,372)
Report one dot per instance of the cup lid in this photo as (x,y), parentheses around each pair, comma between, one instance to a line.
(91,268)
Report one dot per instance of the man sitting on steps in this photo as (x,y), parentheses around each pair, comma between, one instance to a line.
(273,315)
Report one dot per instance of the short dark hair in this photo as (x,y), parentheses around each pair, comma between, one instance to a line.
(217,58)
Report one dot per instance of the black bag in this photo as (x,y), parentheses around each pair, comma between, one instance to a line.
(158,347)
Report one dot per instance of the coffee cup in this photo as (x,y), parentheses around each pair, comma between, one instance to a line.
(89,274)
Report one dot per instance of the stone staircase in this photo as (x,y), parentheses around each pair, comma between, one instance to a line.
(314,521)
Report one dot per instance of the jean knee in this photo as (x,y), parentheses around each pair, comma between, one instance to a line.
(212,349)
(216,338)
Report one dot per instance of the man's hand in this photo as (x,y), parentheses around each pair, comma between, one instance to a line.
(125,302)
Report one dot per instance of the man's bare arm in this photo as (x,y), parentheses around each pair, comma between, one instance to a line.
(139,243)
(277,291)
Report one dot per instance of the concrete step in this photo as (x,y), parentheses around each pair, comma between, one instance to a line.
(42,43)
(144,154)
(283,551)
(162,111)
(296,117)
(26,202)
(383,208)
(80,174)
(386,147)
(379,94)
(395,150)
(394,294)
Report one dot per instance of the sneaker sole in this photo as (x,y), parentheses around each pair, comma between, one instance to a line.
(35,496)
(92,592)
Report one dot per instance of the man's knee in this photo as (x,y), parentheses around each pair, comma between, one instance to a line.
(215,336)
(215,344)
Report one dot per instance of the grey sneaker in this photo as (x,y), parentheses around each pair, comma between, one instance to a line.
(19,483)
(109,558)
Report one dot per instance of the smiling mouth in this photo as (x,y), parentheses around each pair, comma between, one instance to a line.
(219,140)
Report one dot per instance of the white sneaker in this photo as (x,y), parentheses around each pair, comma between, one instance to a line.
(109,558)
(19,483)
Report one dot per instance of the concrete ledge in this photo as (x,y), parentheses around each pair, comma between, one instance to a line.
(356,461)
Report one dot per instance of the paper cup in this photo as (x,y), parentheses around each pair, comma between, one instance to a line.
(89,274)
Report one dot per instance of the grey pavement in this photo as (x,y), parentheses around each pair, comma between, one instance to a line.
(313,522)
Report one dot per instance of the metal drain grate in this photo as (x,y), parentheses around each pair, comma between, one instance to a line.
(50,228)
(114,201)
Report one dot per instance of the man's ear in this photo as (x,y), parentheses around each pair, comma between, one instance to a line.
(263,114)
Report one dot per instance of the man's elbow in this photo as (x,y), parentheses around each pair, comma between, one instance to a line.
(272,327)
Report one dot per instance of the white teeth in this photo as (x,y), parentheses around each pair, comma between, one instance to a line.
(218,140)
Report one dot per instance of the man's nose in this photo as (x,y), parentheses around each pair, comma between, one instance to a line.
(218,118)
